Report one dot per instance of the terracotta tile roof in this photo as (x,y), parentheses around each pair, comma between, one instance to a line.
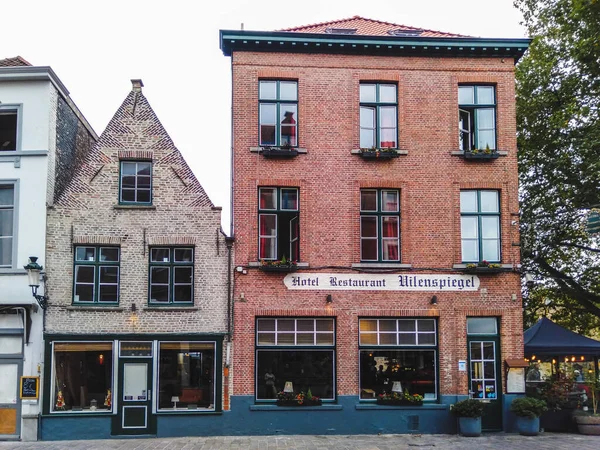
(14,62)
(368,27)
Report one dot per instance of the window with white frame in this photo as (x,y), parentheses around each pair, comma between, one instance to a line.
(398,350)
(380,225)
(7,224)
(480,225)
(136,182)
(8,128)
(171,275)
(278,112)
(278,223)
(477,117)
(296,350)
(378,115)
(96,277)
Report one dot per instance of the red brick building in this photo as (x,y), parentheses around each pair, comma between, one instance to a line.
(375,212)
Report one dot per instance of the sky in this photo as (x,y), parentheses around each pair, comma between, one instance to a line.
(97,47)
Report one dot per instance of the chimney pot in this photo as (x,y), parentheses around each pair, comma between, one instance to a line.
(137,85)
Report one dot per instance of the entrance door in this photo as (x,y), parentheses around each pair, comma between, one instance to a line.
(134,413)
(10,407)
(486,381)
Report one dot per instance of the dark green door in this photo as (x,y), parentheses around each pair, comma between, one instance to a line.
(485,379)
(134,408)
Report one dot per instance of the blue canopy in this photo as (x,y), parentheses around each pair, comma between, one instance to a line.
(548,338)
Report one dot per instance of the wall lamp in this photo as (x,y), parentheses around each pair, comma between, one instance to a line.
(433,300)
(329,298)
(34,274)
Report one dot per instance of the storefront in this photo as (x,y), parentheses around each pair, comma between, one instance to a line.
(100,386)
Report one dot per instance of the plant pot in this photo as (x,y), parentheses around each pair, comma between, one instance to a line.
(528,426)
(470,426)
(588,425)
(379,155)
(492,155)
(279,268)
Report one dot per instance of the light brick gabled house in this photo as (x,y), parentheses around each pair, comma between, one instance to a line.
(137,280)
(381,160)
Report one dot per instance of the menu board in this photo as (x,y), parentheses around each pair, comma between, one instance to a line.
(515,381)
(30,387)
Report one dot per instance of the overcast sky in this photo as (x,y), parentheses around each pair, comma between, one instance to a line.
(95,48)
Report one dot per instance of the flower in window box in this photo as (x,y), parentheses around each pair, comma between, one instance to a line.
(281,265)
(400,399)
(299,399)
(482,153)
(379,153)
(484,266)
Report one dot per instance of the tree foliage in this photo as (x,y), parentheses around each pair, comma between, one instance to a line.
(558,115)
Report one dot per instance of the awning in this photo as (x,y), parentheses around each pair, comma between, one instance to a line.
(548,338)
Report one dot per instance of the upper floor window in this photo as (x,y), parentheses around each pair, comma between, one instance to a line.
(96,274)
(8,129)
(7,220)
(380,225)
(171,275)
(378,115)
(477,117)
(136,182)
(278,223)
(480,225)
(278,115)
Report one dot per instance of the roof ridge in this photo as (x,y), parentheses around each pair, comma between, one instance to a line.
(14,61)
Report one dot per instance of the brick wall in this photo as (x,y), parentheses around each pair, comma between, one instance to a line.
(330,177)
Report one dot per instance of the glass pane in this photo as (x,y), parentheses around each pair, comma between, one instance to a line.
(485,95)
(135,348)
(491,249)
(7,195)
(128,195)
(388,118)
(475,347)
(84,293)
(10,345)
(128,168)
(267,90)
(266,325)
(477,388)
(470,250)
(9,385)
(387,93)
(368,200)
(159,293)
(267,135)
(135,380)
(325,339)
(476,370)
(482,325)
(490,227)
(368,249)
(368,325)
(426,338)
(489,201)
(267,198)
(490,389)
(160,255)
(143,182)
(85,254)
(468,201)
(289,199)
(183,275)
(468,227)
(266,338)
(84,274)
(109,275)
(368,226)
(286,339)
(128,182)
(368,339)
(6,251)
(305,339)
(488,350)
(6,222)
(267,224)
(288,90)
(367,117)
(305,325)
(108,293)
(287,119)
(143,170)
(406,325)
(183,254)
(268,114)
(367,93)
(143,196)
(367,138)
(465,95)
(486,139)
(182,293)
(388,339)
(426,325)
(407,339)
(267,248)
(159,275)
(488,370)
(390,227)
(387,325)
(286,325)
(110,254)
(288,135)
(389,201)
(388,138)
(324,324)
(390,249)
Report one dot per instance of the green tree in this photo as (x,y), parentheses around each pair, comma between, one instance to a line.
(558,115)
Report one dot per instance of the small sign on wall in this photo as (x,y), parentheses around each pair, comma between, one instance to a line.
(30,388)
(462,366)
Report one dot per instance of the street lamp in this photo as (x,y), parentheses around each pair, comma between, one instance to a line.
(34,273)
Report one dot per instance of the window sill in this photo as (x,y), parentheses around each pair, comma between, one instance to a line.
(134,207)
(374,406)
(462,153)
(299,150)
(9,271)
(376,265)
(186,412)
(299,265)
(170,308)
(273,407)
(111,308)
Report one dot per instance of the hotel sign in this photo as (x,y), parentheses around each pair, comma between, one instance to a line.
(380,282)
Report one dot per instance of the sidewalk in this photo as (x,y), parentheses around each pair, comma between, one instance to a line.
(545,441)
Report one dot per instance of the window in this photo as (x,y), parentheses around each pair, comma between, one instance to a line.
(401,350)
(7,224)
(278,114)
(186,372)
(82,376)
(301,351)
(8,129)
(378,115)
(171,275)
(278,223)
(480,226)
(477,117)
(136,182)
(380,225)
(96,275)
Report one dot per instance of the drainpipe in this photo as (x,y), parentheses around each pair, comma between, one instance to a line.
(229,240)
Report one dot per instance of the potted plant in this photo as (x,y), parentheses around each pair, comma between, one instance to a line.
(281,265)
(588,422)
(400,399)
(469,414)
(484,267)
(557,395)
(379,153)
(299,399)
(528,411)
(485,153)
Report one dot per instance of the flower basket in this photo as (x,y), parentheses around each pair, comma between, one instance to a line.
(281,265)
(300,399)
(279,152)
(379,153)
(399,402)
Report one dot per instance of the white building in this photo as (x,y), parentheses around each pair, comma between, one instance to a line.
(43,139)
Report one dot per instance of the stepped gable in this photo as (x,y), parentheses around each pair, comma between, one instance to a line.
(16,61)
(368,27)
(135,128)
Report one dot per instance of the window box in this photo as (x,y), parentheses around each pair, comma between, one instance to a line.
(279,152)
(481,154)
(276,266)
(484,267)
(294,402)
(398,402)
(383,153)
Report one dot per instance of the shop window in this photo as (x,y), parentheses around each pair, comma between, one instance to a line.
(378,115)
(186,377)
(380,225)
(135,185)
(300,351)
(278,113)
(8,129)
(96,277)
(278,223)
(398,350)
(171,275)
(477,117)
(480,225)
(7,224)
(82,376)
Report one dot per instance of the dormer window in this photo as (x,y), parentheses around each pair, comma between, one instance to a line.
(341,30)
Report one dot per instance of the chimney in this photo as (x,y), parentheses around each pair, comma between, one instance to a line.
(137,85)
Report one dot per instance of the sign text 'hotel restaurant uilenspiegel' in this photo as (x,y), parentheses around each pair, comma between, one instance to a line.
(380,282)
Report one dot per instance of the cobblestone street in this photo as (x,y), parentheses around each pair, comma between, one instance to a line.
(545,441)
